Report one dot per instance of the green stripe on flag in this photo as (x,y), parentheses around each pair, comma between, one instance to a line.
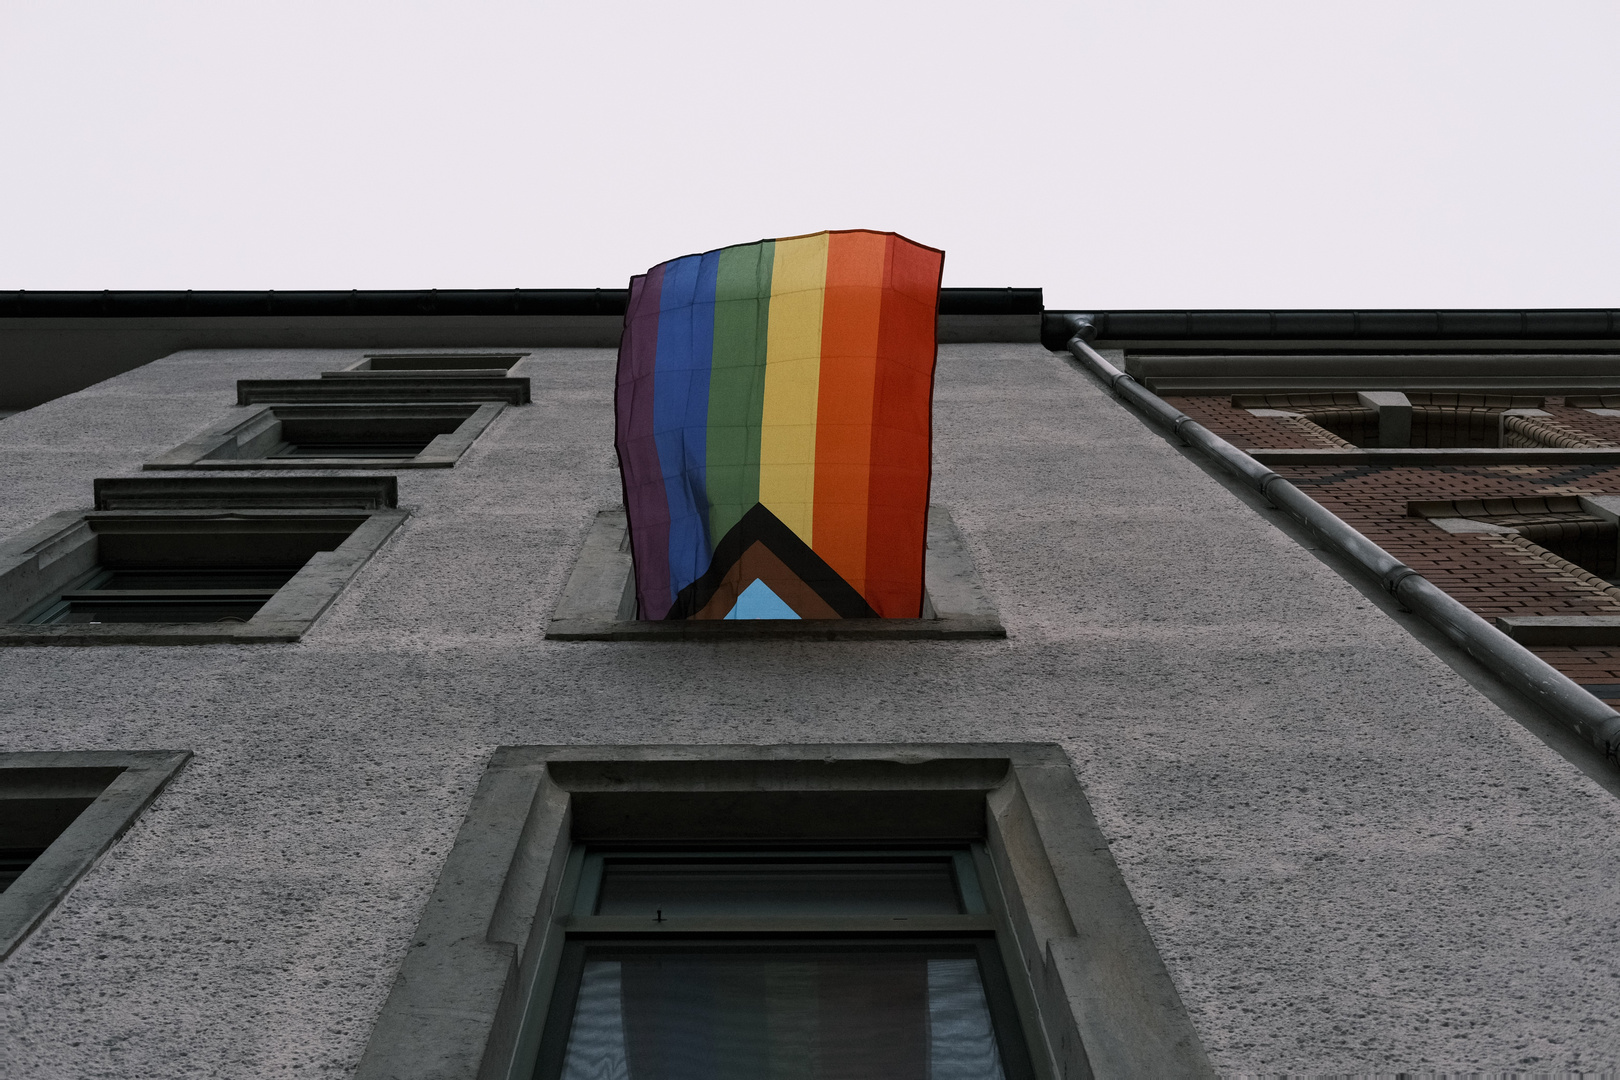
(742,305)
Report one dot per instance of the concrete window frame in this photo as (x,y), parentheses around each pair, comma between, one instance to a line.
(250,442)
(599,601)
(422,364)
(474,987)
(437,387)
(62,549)
(122,783)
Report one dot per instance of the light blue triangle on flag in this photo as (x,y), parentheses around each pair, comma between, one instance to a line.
(758,601)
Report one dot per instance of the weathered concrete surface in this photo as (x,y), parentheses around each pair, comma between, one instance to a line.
(1349,859)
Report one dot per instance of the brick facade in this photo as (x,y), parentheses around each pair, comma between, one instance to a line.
(1487,572)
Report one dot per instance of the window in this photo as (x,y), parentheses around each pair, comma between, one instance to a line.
(336,437)
(599,601)
(746,963)
(189,560)
(716,912)
(58,813)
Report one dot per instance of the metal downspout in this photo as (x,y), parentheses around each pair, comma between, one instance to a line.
(1511,662)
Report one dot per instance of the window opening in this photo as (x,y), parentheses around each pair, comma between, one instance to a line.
(13,861)
(29,824)
(1430,420)
(36,807)
(418,362)
(140,596)
(742,964)
(399,436)
(188,570)
(59,812)
(1561,524)
(352,435)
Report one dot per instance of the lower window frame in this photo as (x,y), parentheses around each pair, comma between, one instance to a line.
(1006,1016)
(980,926)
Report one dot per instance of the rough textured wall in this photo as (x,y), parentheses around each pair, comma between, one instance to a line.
(1349,859)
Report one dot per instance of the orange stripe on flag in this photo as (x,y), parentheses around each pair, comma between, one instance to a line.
(856,267)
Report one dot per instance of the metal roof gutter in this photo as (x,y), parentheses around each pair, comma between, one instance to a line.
(1208,326)
(1511,662)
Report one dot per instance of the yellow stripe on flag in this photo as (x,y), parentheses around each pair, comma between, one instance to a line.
(787,444)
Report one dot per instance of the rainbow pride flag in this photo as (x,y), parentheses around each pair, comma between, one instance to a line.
(774,428)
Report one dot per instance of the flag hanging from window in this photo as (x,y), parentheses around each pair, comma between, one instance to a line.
(774,428)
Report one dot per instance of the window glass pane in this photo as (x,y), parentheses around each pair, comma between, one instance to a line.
(782,1014)
(785,887)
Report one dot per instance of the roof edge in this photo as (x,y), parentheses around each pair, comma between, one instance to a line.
(29,304)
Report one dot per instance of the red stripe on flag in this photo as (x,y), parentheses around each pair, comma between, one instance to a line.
(897,521)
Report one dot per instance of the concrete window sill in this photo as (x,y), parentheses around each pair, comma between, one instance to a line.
(1600,630)
(401,386)
(598,603)
(444,365)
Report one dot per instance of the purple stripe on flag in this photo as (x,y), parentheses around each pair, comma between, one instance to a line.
(644,493)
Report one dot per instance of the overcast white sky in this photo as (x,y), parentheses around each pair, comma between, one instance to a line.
(1176,154)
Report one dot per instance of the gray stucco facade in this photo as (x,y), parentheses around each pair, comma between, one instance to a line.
(1350,859)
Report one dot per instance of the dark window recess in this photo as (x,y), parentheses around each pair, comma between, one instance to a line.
(1584,539)
(13,861)
(59,813)
(351,435)
(37,806)
(1558,523)
(1461,425)
(1439,420)
(363,437)
(499,363)
(187,570)
(819,964)
(141,596)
